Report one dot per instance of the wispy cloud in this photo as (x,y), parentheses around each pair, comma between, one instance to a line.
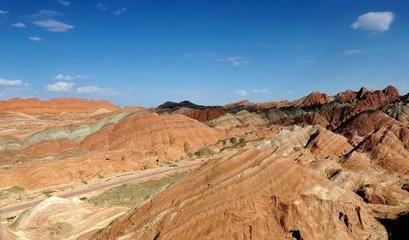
(64,3)
(262,91)
(60,87)
(3,12)
(241,92)
(92,90)
(101,7)
(120,11)
(35,39)
(308,61)
(19,25)
(10,82)
(67,77)
(45,13)
(188,55)
(95,90)
(351,52)
(263,44)
(374,21)
(53,25)
(235,61)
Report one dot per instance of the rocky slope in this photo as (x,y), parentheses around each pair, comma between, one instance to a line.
(295,186)
(344,178)
(123,141)
(169,135)
(58,218)
(320,167)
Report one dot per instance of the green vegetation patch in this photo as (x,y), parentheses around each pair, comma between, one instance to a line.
(4,193)
(48,193)
(204,152)
(234,143)
(132,194)
(74,153)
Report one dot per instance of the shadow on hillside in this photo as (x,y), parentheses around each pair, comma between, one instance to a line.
(398,228)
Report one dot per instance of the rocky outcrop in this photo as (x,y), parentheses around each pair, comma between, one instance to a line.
(387,151)
(366,122)
(346,97)
(315,98)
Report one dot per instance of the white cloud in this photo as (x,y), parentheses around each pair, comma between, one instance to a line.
(234,61)
(63,2)
(53,25)
(241,92)
(374,21)
(351,52)
(263,44)
(45,13)
(60,87)
(2,12)
(62,77)
(91,89)
(101,7)
(188,55)
(19,25)
(308,61)
(9,82)
(263,91)
(120,11)
(35,39)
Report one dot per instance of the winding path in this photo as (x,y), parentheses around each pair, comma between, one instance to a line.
(145,175)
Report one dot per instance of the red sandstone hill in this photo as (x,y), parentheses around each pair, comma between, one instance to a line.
(320,167)
(198,112)
(55,105)
(144,131)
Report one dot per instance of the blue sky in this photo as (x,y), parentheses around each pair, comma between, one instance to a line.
(140,52)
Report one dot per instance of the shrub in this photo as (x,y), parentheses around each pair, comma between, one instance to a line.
(131,194)
(48,193)
(204,152)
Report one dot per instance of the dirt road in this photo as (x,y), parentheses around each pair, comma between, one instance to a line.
(145,175)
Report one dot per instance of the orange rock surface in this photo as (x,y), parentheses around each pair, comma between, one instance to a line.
(56,105)
(249,196)
(147,131)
